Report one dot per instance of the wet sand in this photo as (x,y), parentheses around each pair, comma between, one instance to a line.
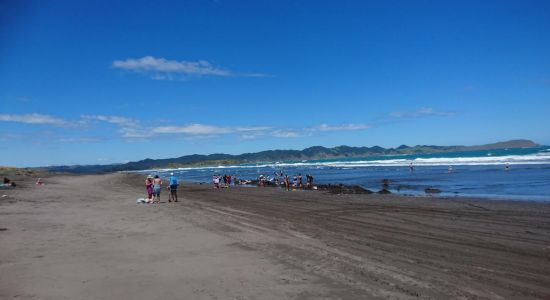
(84,237)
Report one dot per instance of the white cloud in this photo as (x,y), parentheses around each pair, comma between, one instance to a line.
(134,132)
(203,129)
(252,132)
(123,121)
(251,129)
(163,69)
(34,118)
(149,63)
(193,129)
(343,127)
(128,128)
(251,136)
(423,112)
(131,129)
(162,77)
(286,134)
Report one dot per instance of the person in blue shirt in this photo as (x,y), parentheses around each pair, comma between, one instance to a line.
(173,188)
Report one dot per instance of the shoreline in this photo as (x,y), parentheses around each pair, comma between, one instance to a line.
(85,237)
(518,183)
(435,195)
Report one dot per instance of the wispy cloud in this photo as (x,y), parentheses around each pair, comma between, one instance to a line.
(131,129)
(211,130)
(128,128)
(251,136)
(342,127)
(34,118)
(123,121)
(287,134)
(192,129)
(253,128)
(423,112)
(164,69)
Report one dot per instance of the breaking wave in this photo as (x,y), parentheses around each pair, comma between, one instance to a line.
(540,158)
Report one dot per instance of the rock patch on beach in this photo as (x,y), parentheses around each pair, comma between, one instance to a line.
(343,189)
(432,191)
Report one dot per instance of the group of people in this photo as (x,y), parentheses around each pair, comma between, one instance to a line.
(279,179)
(223,181)
(154,186)
(297,181)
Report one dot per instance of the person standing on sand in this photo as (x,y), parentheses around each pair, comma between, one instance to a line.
(287,182)
(309,181)
(216,181)
(300,182)
(149,187)
(173,188)
(157,182)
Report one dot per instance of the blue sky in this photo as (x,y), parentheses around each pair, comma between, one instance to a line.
(86,82)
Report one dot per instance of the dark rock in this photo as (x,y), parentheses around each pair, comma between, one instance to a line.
(432,190)
(343,189)
(258,183)
(384,191)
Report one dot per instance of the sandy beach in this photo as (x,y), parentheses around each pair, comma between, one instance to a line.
(84,237)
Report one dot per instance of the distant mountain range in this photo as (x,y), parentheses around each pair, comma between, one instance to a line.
(311,153)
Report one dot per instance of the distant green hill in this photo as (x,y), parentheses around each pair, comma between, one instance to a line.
(316,152)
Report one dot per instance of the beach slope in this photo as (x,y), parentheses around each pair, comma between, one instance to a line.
(84,237)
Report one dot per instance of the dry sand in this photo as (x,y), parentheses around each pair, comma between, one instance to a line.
(84,237)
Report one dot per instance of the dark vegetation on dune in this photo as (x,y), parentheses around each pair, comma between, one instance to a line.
(316,152)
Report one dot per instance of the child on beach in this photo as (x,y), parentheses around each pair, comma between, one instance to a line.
(149,187)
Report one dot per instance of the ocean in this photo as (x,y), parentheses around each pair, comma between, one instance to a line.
(514,174)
